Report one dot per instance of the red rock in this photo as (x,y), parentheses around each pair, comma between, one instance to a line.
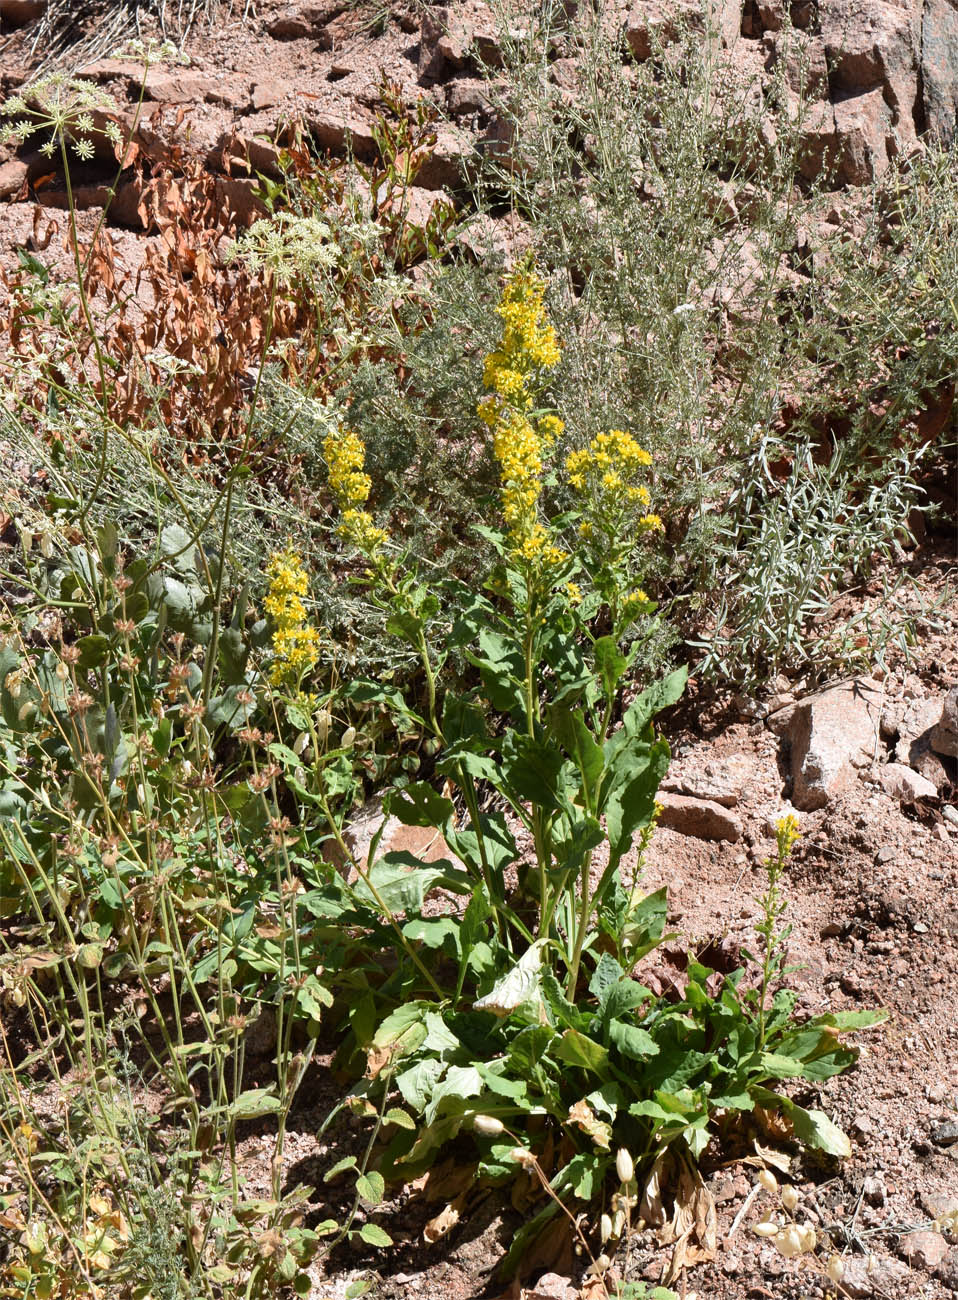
(552,1287)
(939,68)
(873,45)
(832,734)
(20,12)
(699,817)
(13,177)
(905,784)
(299,22)
(443,169)
(338,130)
(652,21)
(449,37)
(247,153)
(924,1249)
(876,1275)
(944,737)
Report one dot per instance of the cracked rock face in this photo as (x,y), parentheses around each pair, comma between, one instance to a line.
(832,735)
(889,68)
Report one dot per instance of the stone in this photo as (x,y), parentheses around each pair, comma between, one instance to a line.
(950,814)
(551,1286)
(443,168)
(946,1134)
(925,1249)
(874,45)
(468,95)
(337,130)
(911,722)
(450,37)
(864,129)
(721,780)
(248,153)
(13,178)
(904,784)
(20,12)
(944,735)
(299,22)
(183,87)
(948,1270)
(650,22)
(939,68)
(701,818)
(832,734)
(874,1275)
(266,94)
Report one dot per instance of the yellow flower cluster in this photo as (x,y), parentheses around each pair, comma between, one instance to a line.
(519,440)
(295,641)
(605,473)
(528,342)
(346,458)
(787,833)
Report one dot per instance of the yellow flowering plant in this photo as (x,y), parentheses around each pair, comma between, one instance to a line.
(530,636)
(518,1004)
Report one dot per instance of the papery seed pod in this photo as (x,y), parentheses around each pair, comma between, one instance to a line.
(322,721)
(807,1238)
(624,1166)
(618,1223)
(349,736)
(522,1156)
(788,1243)
(790,1198)
(301,742)
(768,1181)
(835,1268)
(605,1228)
(602,1264)
(488,1125)
(766,1228)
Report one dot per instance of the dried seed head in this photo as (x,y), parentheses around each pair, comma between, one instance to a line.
(807,1238)
(788,1243)
(835,1268)
(624,1166)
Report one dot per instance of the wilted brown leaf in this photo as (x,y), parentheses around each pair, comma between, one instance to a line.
(445,1220)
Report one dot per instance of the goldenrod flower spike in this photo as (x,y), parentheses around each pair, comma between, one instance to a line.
(527,347)
(345,455)
(295,641)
